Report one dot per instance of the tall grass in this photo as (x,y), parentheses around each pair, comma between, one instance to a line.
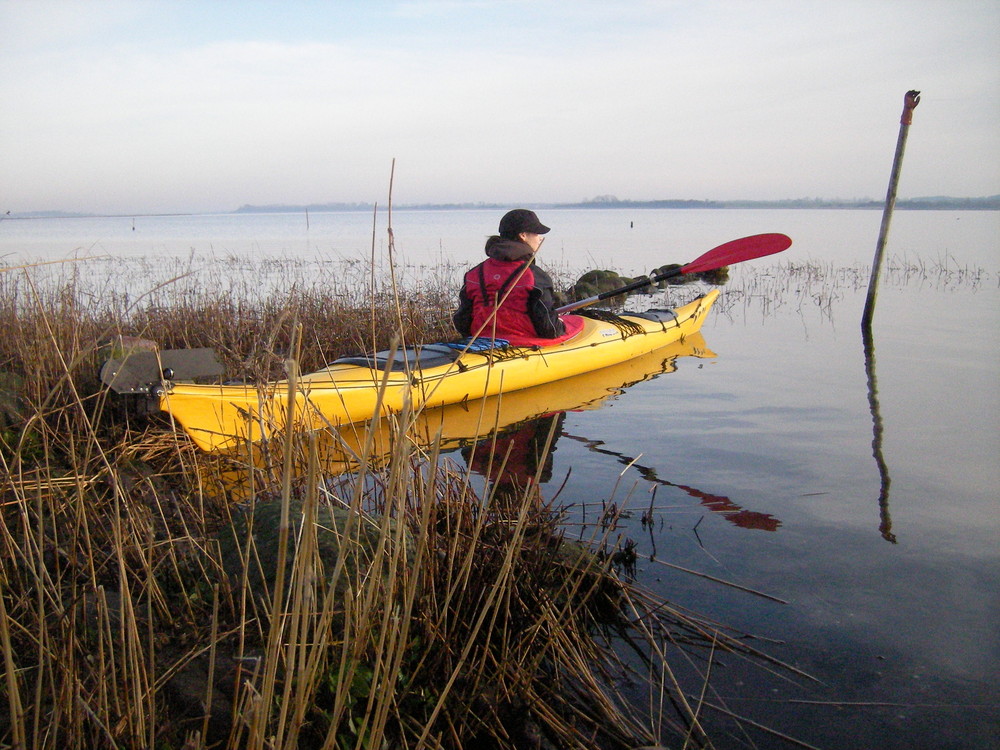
(395,607)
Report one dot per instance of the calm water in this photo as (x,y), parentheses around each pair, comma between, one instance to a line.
(632,241)
(762,457)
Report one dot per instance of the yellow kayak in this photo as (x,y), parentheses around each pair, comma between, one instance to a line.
(357,389)
(461,425)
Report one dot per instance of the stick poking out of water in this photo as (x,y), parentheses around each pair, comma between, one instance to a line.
(910,101)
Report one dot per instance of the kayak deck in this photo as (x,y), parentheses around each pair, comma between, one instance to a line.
(357,389)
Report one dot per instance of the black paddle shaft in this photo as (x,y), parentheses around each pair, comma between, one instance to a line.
(642,282)
(637,284)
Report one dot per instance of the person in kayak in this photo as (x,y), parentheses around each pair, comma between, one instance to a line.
(507,296)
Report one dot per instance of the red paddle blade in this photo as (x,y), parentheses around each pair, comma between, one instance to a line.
(737,251)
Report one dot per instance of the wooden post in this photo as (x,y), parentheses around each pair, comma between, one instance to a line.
(910,101)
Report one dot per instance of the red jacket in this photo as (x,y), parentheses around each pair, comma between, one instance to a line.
(526,312)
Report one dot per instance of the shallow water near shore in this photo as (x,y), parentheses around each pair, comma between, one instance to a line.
(861,494)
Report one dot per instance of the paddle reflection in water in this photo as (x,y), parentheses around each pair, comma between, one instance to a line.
(736,514)
(483,429)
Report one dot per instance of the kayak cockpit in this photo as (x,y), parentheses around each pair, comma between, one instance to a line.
(403,359)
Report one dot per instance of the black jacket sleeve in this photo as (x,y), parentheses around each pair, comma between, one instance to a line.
(541,307)
(463,315)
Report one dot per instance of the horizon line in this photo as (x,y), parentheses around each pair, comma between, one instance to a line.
(989,202)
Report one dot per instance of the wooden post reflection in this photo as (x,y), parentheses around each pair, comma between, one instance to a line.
(885,521)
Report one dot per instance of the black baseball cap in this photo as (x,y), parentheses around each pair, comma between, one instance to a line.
(521,220)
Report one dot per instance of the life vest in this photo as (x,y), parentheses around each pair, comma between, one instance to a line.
(516,286)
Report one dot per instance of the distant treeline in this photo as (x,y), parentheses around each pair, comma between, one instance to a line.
(937,203)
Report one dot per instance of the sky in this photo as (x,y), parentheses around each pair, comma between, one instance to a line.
(181,106)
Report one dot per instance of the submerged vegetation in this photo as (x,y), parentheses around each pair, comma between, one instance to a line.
(397,606)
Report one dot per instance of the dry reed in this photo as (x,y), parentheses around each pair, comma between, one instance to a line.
(391,608)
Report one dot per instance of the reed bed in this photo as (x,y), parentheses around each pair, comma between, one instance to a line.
(816,286)
(140,606)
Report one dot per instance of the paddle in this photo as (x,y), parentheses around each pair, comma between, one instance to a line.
(734,251)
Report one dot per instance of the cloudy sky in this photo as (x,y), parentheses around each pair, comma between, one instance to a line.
(132,107)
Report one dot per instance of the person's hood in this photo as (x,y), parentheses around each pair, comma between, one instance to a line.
(500,248)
